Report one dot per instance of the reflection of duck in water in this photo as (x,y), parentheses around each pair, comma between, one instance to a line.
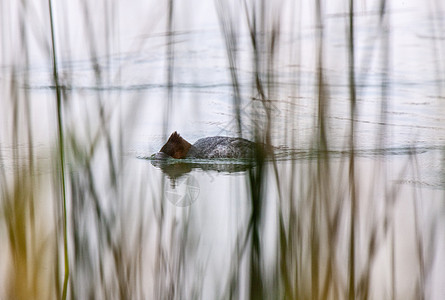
(205,148)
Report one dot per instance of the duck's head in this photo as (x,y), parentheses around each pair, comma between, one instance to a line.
(176,146)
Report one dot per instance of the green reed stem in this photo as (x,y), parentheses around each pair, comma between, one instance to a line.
(352,183)
(61,151)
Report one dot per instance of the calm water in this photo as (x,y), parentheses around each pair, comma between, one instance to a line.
(140,230)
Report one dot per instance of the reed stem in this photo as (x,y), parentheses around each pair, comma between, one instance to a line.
(61,151)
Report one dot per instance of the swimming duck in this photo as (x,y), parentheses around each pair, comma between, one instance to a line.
(206,148)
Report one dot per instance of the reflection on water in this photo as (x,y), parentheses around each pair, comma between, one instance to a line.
(174,168)
(349,94)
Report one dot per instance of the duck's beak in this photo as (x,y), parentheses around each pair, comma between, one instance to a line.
(160,155)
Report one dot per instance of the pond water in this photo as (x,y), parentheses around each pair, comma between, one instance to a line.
(351,203)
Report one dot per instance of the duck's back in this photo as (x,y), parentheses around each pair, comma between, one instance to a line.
(222,147)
